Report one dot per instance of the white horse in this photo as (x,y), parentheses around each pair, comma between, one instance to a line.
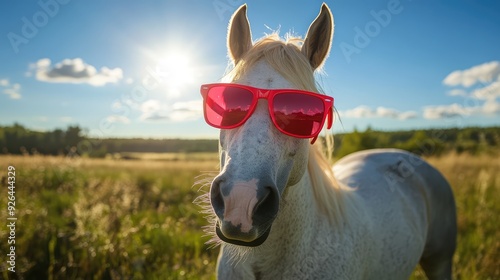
(279,212)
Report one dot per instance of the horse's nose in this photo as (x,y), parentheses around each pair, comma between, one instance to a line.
(216,196)
(268,206)
(245,209)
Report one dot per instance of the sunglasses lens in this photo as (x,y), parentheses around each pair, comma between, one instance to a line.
(227,107)
(298,114)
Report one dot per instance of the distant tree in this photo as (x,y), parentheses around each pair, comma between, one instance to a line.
(14,137)
(2,140)
(72,136)
(356,141)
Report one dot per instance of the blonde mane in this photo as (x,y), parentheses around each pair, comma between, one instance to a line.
(284,56)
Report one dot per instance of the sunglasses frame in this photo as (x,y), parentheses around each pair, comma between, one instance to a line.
(269,94)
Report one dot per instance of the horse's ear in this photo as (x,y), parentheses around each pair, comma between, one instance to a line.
(239,38)
(319,38)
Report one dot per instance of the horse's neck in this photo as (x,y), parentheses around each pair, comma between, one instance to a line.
(298,210)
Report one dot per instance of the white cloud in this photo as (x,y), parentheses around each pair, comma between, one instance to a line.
(12,90)
(184,111)
(74,71)
(12,93)
(489,92)
(386,113)
(408,115)
(491,107)
(457,92)
(42,119)
(488,108)
(66,119)
(484,95)
(486,72)
(380,112)
(446,111)
(118,119)
(154,116)
(153,110)
(358,112)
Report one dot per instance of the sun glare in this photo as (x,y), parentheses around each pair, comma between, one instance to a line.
(176,71)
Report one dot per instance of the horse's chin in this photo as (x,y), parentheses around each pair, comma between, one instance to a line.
(254,243)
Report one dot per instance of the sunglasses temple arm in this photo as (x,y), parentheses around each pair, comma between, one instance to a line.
(330,118)
(329,125)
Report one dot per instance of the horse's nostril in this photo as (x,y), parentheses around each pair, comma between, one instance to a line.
(216,196)
(268,206)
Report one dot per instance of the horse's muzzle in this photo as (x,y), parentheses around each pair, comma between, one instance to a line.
(245,211)
(255,242)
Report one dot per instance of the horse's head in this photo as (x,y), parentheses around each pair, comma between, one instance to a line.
(258,159)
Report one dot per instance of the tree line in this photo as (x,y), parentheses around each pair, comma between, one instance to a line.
(17,139)
(472,140)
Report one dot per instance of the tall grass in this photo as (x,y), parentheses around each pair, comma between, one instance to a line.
(107,219)
(476,185)
(134,219)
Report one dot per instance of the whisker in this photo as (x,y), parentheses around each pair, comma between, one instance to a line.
(203,183)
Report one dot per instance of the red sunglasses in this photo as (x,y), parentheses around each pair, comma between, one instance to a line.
(297,113)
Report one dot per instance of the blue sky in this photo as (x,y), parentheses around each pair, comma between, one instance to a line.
(133,68)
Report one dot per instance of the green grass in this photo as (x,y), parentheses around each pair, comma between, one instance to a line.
(106,219)
(124,219)
(476,185)
(181,157)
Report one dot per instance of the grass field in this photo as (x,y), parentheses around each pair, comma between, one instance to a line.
(124,219)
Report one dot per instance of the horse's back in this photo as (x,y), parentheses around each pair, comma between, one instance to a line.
(410,204)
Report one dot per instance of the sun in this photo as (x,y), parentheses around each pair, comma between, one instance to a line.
(175,71)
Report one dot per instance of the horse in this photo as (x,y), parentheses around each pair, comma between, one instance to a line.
(279,210)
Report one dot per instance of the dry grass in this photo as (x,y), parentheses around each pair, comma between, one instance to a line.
(107,219)
(476,184)
(148,161)
(122,219)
